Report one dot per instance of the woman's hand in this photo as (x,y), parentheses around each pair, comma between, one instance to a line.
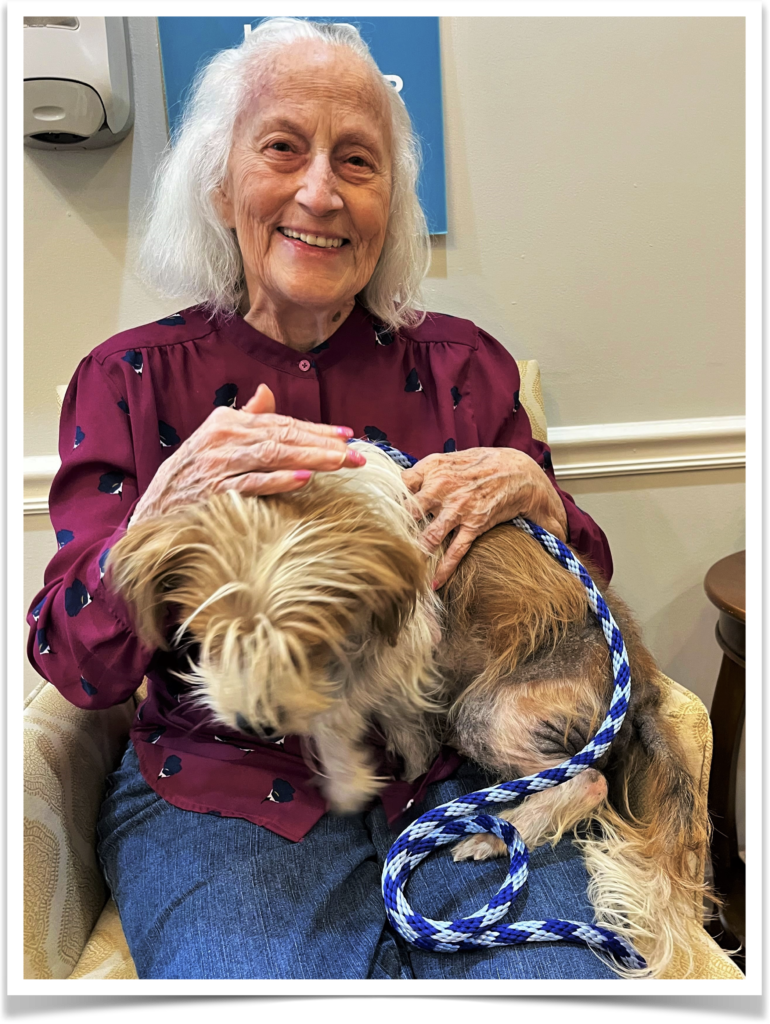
(251,450)
(473,490)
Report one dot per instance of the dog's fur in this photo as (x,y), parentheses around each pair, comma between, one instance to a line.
(315,615)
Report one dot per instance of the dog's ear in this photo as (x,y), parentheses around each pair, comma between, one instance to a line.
(146,566)
(399,573)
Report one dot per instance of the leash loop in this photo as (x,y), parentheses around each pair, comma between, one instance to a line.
(466,816)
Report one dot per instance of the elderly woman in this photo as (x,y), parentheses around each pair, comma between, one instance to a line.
(287,209)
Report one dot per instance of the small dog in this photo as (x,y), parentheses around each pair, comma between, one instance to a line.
(314,615)
(313,611)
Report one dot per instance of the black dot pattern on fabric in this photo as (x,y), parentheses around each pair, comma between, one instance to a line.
(375,434)
(516,402)
(281,793)
(413,381)
(89,689)
(103,562)
(171,766)
(226,395)
(76,598)
(456,396)
(79,437)
(134,360)
(64,537)
(321,347)
(112,483)
(383,336)
(547,460)
(123,404)
(449,445)
(175,320)
(168,436)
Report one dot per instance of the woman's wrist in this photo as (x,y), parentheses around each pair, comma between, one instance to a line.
(149,504)
(558,515)
(546,507)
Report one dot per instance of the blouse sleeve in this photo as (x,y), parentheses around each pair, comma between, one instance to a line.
(80,639)
(503,423)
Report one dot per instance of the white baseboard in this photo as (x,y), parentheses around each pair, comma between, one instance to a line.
(596,450)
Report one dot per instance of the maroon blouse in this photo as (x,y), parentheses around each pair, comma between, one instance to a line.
(442,386)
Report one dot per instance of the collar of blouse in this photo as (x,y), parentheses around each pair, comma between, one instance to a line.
(273,353)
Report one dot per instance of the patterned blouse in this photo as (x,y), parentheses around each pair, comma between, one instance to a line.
(443,386)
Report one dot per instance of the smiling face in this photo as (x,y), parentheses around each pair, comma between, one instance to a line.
(309,180)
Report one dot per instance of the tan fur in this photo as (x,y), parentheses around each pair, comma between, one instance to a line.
(315,616)
(313,612)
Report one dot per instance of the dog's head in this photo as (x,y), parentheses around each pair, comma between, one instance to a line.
(276,591)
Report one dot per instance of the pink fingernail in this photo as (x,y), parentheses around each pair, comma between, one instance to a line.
(357,458)
(302,474)
(344,431)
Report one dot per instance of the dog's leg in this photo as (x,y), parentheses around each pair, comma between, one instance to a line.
(542,817)
(411,738)
(398,688)
(517,729)
(348,781)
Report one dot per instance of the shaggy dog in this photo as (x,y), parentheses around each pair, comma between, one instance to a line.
(314,615)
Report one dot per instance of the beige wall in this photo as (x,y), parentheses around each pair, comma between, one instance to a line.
(595,172)
(81,212)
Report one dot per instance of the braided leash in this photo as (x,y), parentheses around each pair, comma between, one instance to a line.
(446,823)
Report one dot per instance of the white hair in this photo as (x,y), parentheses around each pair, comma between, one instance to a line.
(188,250)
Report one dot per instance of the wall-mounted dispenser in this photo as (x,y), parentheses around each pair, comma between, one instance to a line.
(77,83)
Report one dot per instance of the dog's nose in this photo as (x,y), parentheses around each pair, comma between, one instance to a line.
(243,725)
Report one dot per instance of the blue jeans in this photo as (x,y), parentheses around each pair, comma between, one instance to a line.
(201,896)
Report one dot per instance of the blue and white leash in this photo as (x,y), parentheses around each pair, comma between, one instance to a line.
(459,817)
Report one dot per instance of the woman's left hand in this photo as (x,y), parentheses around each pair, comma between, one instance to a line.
(473,490)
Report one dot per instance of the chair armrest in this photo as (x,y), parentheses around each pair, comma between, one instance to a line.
(688,714)
(68,752)
(531,397)
(691,727)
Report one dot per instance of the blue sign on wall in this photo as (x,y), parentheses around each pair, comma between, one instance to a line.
(406,51)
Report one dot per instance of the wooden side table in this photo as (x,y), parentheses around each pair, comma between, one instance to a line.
(726,588)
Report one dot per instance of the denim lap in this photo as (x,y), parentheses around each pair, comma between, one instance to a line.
(202,896)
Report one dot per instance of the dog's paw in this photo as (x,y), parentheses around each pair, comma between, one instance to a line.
(479,847)
(350,805)
(350,796)
(342,800)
